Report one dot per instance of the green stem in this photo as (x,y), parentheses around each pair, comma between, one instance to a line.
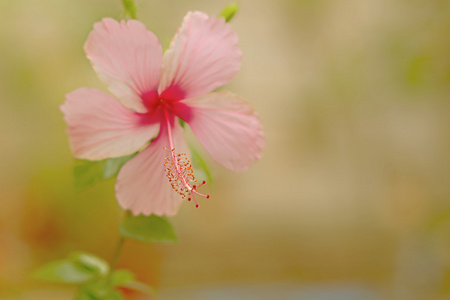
(116,256)
(115,259)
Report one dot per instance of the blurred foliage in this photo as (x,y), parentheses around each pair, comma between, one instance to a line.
(130,8)
(93,276)
(230,11)
(112,165)
(201,166)
(87,173)
(148,229)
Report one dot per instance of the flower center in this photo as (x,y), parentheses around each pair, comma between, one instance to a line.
(168,100)
(179,171)
(169,96)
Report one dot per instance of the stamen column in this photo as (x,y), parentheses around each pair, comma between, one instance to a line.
(182,174)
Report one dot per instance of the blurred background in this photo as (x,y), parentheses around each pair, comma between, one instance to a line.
(350,201)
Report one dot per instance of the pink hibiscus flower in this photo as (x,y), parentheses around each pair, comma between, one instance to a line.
(153,91)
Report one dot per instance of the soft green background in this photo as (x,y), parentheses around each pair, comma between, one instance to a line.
(351,199)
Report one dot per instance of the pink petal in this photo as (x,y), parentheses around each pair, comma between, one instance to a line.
(99,126)
(228,128)
(127,57)
(202,56)
(142,186)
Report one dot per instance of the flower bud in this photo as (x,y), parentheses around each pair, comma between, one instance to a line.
(229,11)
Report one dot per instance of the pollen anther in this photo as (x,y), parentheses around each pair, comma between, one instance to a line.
(179,171)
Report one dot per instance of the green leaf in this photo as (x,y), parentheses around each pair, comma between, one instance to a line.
(112,165)
(200,164)
(98,290)
(130,8)
(64,271)
(120,277)
(139,287)
(83,294)
(79,267)
(148,229)
(229,11)
(90,262)
(125,279)
(87,172)
(182,122)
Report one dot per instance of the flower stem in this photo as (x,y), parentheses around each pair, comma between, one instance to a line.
(116,256)
(119,244)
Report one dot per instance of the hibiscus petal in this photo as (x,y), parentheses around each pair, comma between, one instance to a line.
(228,128)
(142,186)
(203,55)
(127,57)
(99,126)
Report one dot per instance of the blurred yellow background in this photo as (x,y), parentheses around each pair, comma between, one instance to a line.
(350,201)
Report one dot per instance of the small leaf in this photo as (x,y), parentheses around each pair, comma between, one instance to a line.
(182,122)
(120,277)
(90,262)
(125,279)
(83,294)
(112,165)
(229,11)
(139,287)
(199,163)
(130,8)
(148,229)
(86,173)
(98,290)
(64,271)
